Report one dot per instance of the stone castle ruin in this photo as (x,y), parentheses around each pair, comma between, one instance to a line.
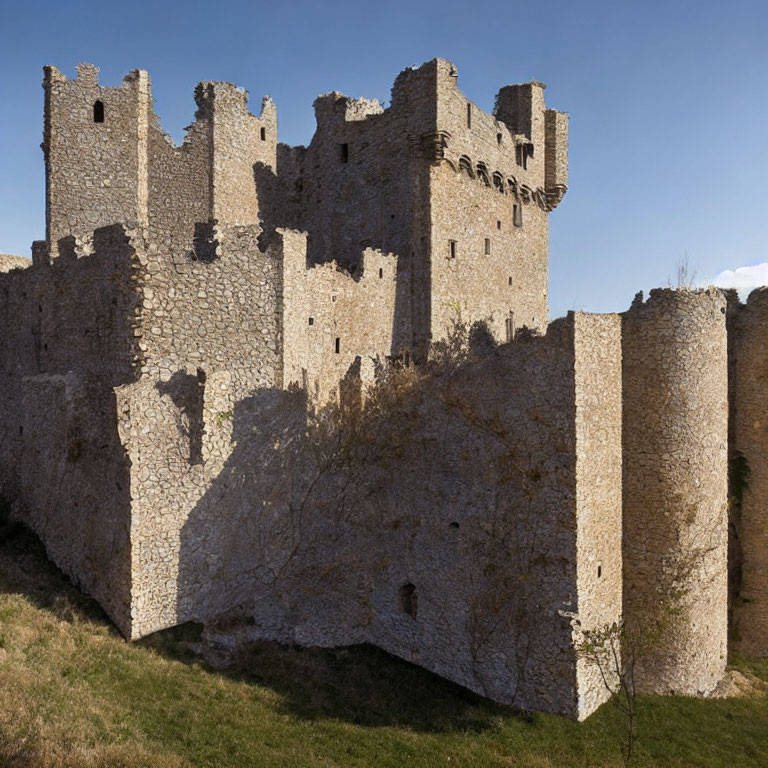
(230,391)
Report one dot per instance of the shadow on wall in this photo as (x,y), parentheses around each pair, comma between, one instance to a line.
(315,523)
(231,538)
(186,391)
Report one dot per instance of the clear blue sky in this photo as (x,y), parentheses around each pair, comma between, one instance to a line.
(668,104)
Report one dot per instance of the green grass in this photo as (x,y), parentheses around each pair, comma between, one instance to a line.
(73,693)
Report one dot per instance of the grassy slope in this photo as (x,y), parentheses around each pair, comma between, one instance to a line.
(72,693)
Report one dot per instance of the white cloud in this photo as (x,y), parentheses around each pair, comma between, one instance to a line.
(744,279)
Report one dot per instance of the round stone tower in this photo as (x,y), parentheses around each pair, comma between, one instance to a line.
(675,435)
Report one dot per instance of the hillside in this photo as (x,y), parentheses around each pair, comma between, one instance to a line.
(74,693)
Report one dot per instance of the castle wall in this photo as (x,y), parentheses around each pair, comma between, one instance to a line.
(211,335)
(216,306)
(358,183)
(70,337)
(77,313)
(441,523)
(488,219)
(73,483)
(750,473)
(675,492)
(597,373)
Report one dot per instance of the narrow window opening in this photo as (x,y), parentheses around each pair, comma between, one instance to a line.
(498,138)
(510,281)
(509,326)
(338,345)
(98,111)
(498,224)
(381,273)
(469,115)
(263,133)
(599,571)
(522,152)
(345,153)
(21,430)
(451,249)
(517,214)
(487,246)
(311,320)
(408,600)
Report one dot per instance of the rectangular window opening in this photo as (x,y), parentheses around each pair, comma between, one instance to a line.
(517,213)
(263,134)
(451,249)
(338,345)
(509,326)
(311,320)
(344,153)
(498,224)
(469,115)
(487,246)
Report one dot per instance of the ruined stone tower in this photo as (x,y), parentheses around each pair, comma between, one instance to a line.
(197,420)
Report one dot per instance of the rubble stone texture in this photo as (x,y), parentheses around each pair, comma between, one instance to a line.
(675,447)
(211,408)
(750,475)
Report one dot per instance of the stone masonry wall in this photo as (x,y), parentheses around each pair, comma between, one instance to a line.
(750,473)
(77,313)
(73,483)
(211,334)
(676,486)
(240,143)
(179,182)
(598,379)
(330,318)
(70,337)
(440,523)
(214,308)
